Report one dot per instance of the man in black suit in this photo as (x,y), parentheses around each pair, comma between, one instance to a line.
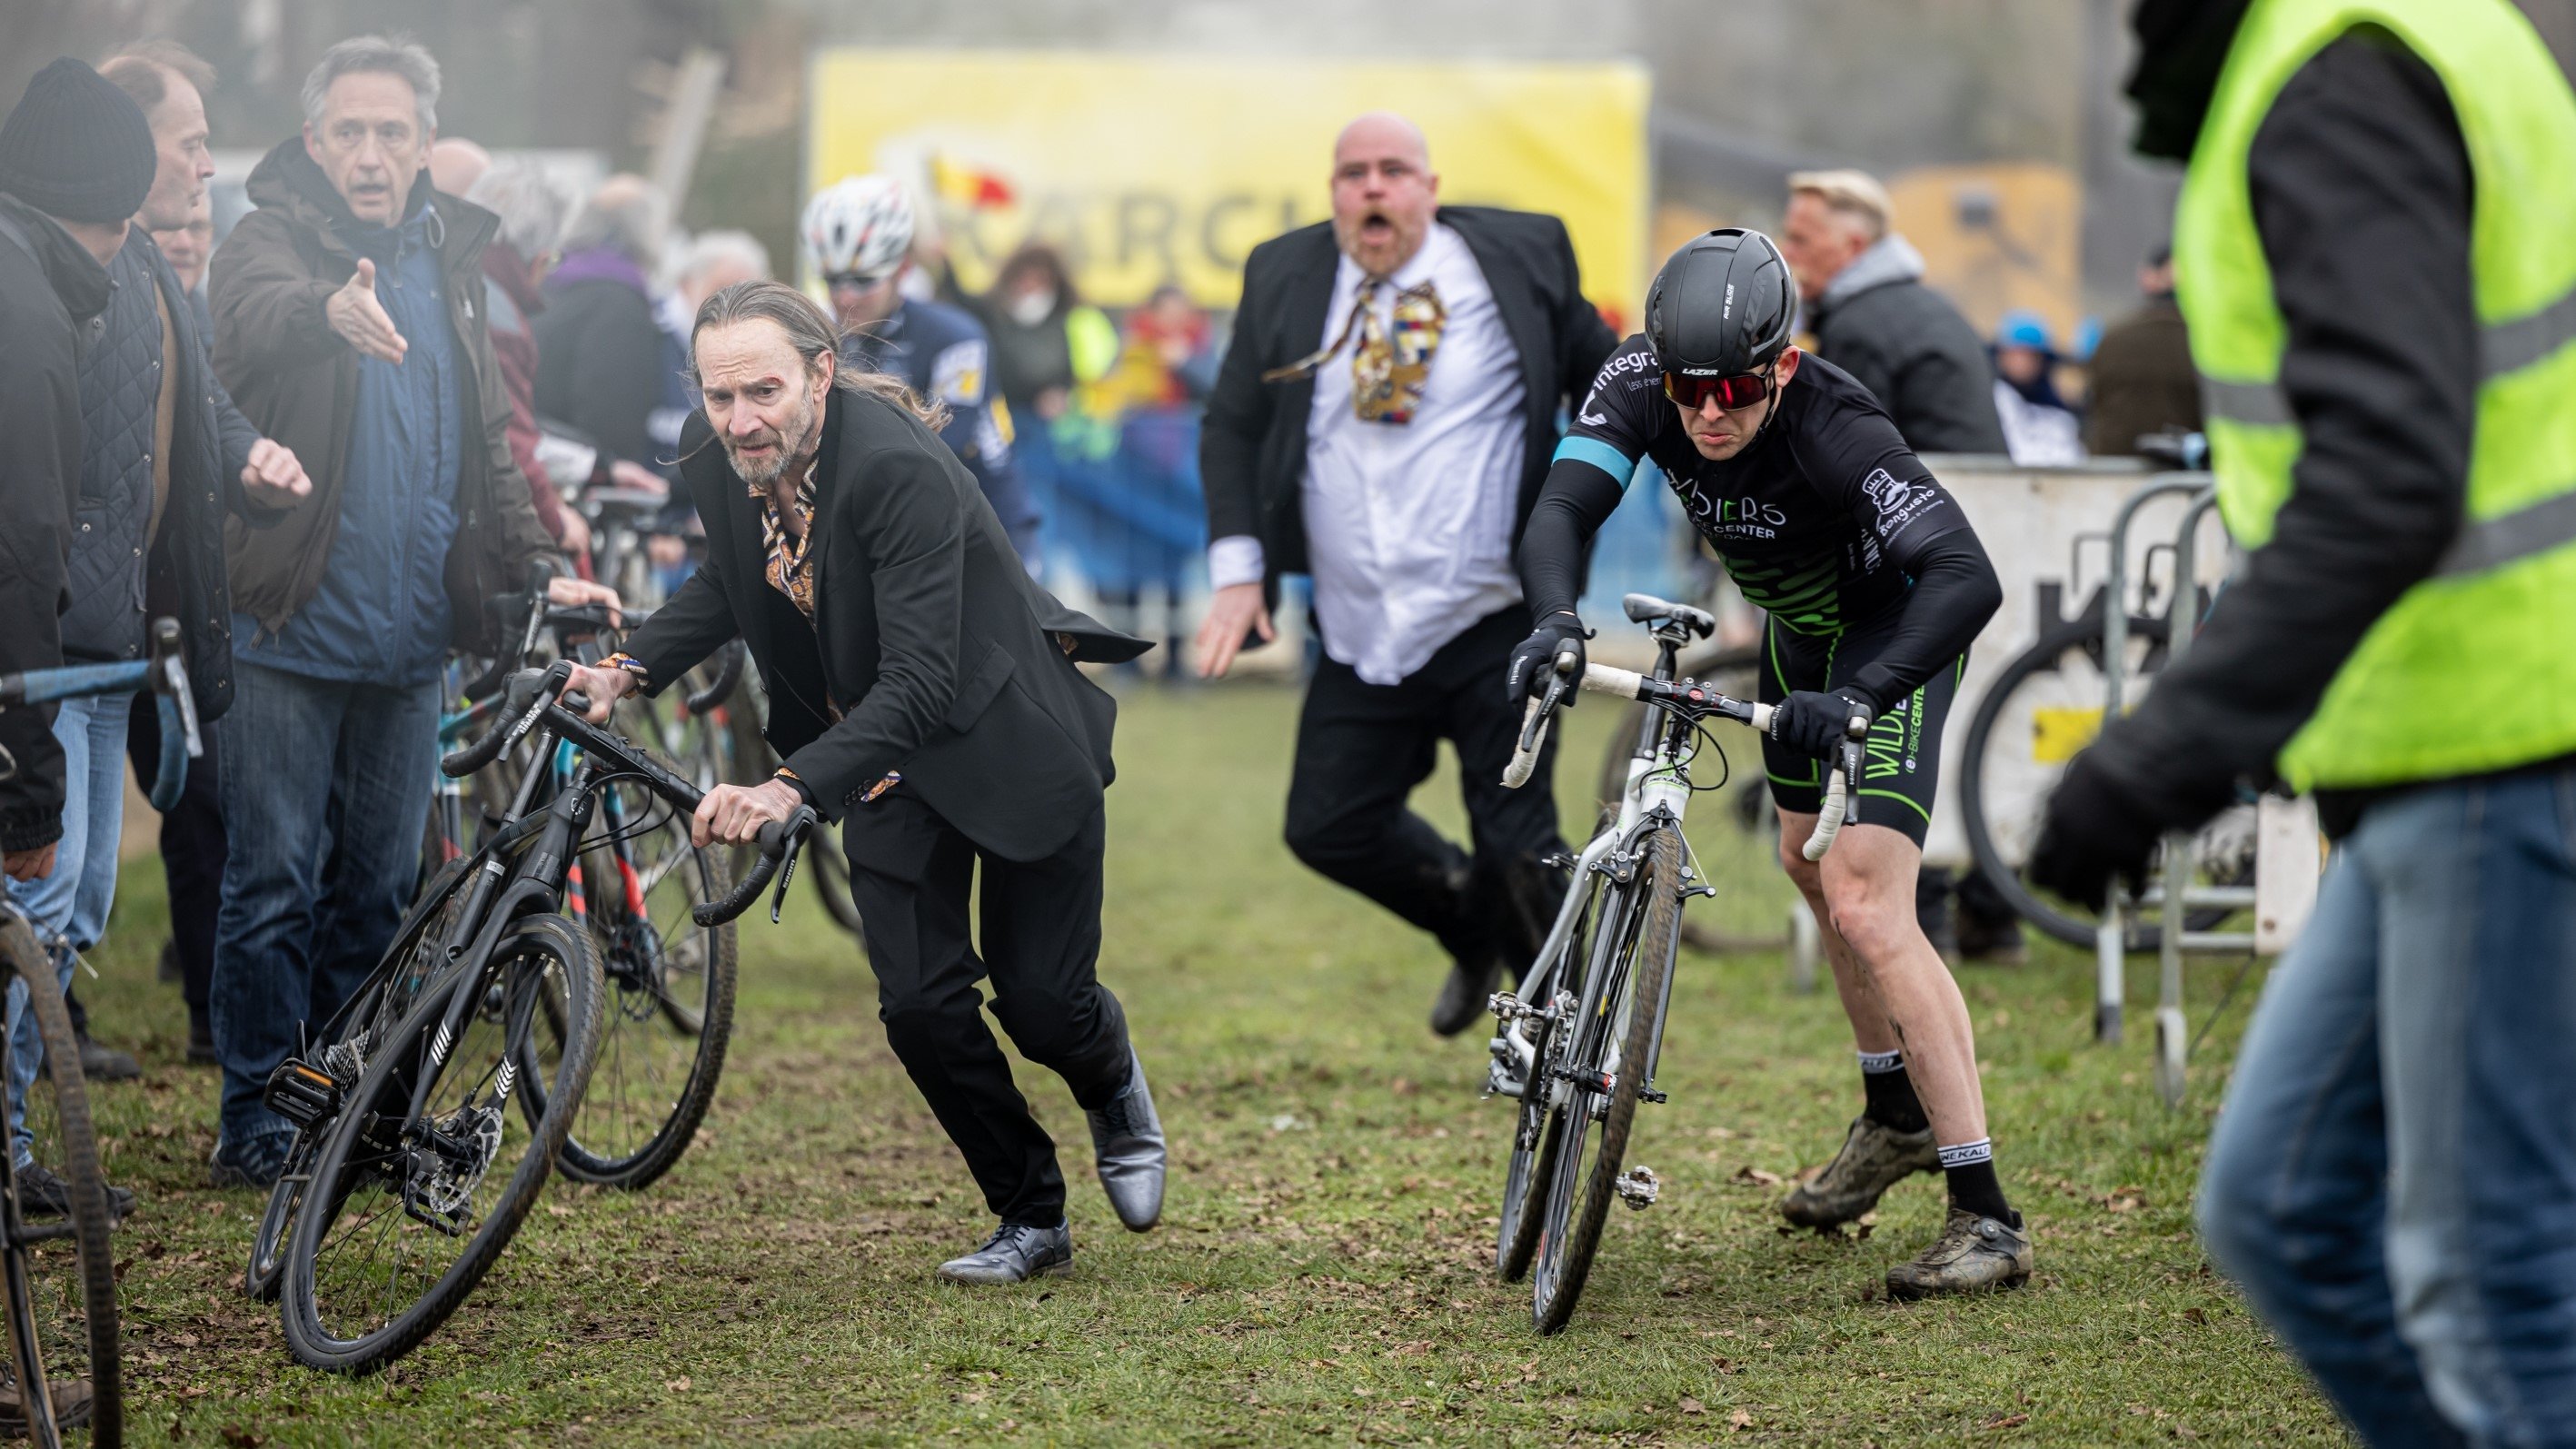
(923,691)
(1382,421)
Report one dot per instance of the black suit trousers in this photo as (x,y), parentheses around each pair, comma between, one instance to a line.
(911,875)
(1361,750)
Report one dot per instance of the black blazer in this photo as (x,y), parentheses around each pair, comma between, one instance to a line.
(1252,448)
(928,637)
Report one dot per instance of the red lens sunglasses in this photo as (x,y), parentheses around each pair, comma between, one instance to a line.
(1740,391)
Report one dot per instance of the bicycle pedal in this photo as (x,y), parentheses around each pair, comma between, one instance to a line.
(1638,1187)
(1649,1094)
(301,1094)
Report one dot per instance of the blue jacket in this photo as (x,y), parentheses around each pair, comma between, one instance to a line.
(381,613)
(941,353)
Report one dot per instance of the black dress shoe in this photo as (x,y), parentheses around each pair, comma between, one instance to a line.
(107,1064)
(1127,1140)
(1014,1254)
(1462,998)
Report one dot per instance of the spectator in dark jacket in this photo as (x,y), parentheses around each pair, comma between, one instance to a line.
(67,185)
(1873,317)
(601,355)
(167,457)
(2141,375)
(349,322)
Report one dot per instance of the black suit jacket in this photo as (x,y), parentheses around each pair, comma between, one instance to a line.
(1252,448)
(929,640)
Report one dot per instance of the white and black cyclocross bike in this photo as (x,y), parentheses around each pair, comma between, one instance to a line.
(1579,1039)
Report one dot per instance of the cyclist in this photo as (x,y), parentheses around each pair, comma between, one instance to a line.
(858,239)
(1873,584)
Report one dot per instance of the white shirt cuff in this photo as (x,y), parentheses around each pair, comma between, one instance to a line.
(1235,559)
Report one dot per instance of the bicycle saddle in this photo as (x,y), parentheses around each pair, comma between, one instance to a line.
(1647,609)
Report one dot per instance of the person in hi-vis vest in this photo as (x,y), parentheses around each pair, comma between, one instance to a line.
(2372,253)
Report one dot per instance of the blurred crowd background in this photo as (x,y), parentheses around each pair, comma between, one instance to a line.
(1090,175)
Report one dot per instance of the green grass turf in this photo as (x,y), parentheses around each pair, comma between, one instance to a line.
(1322,1272)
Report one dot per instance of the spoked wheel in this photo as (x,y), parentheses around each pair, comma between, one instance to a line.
(666,1013)
(1533,1163)
(1608,1048)
(2044,707)
(371,1020)
(62,1366)
(426,1171)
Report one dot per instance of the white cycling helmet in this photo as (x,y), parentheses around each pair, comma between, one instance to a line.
(859,226)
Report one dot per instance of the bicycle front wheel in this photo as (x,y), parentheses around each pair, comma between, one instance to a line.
(1534,1136)
(54,1253)
(666,1014)
(1608,1049)
(420,1181)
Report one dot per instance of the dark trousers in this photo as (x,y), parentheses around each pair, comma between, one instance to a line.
(1361,750)
(192,850)
(912,874)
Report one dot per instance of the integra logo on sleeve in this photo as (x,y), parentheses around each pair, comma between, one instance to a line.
(1897,501)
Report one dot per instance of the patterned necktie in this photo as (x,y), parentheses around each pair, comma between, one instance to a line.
(1392,363)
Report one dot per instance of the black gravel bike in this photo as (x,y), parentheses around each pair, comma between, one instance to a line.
(452,1082)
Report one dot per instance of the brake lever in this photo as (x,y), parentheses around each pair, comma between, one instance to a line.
(790,848)
(1559,682)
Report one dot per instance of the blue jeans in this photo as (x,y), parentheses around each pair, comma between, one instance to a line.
(69,907)
(325,794)
(2393,1180)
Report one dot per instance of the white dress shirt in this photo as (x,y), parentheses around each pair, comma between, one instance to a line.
(1409,525)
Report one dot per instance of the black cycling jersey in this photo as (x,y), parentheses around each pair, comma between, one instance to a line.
(1827,521)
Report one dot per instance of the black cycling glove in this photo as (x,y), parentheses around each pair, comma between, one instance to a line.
(2094,830)
(1534,659)
(1813,724)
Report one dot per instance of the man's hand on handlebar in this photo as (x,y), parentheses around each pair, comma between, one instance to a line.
(565,592)
(1814,723)
(1534,658)
(603,687)
(733,814)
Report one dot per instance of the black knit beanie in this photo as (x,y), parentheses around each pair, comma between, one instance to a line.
(77,147)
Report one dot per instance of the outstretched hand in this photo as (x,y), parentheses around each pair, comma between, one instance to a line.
(362,321)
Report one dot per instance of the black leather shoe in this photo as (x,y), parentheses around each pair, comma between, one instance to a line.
(41,1194)
(1127,1141)
(1462,998)
(107,1064)
(1014,1254)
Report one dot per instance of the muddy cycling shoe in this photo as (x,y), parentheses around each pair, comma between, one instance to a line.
(1127,1145)
(1974,1254)
(1014,1254)
(43,1195)
(1874,1158)
(71,1399)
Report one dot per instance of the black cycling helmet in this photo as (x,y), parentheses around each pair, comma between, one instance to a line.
(1723,305)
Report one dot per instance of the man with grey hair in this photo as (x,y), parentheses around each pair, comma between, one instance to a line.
(349,324)
(601,357)
(531,208)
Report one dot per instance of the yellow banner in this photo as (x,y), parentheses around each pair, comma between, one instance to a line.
(1148,169)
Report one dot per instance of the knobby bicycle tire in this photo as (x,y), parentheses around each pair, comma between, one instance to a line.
(311,1342)
(1565,1261)
(1534,1140)
(2083,635)
(634,1012)
(89,1224)
(381,1004)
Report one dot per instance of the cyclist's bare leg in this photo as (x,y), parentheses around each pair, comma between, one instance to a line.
(1894,986)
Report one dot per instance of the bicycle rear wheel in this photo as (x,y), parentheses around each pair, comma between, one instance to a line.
(60,1276)
(667,1013)
(419,1182)
(1611,1043)
(415,958)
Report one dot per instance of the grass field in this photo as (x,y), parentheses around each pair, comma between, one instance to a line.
(1322,1271)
